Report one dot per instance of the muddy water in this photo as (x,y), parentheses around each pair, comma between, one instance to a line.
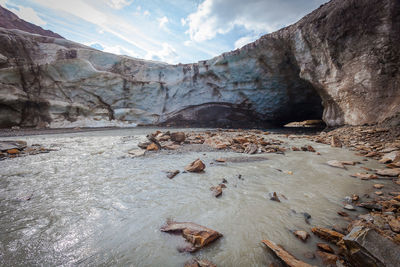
(92,204)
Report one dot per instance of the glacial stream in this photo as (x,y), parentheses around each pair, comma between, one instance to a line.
(94,204)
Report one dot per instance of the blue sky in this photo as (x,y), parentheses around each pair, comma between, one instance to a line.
(173,31)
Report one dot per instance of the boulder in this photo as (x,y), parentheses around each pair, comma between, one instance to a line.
(393,156)
(325,247)
(152,147)
(8,145)
(199,263)
(195,166)
(327,258)
(366,247)
(197,235)
(389,172)
(335,142)
(302,235)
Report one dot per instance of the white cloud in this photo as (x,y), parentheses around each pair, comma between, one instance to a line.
(162,22)
(28,14)
(245,40)
(214,17)
(183,21)
(166,54)
(146,13)
(119,4)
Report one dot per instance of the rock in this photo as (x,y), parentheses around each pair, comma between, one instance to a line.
(13,151)
(199,263)
(378,186)
(136,152)
(220,160)
(389,172)
(217,142)
(195,166)
(275,197)
(395,225)
(9,145)
(199,236)
(349,207)
(327,258)
(172,174)
(152,147)
(295,148)
(178,137)
(390,157)
(285,256)
(302,235)
(335,142)
(364,176)
(379,193)
(308,148)
(327,234)
(325,247)
(144,145)
(217,190)
(346,162)
(307,217)
(336,163)
(370,206)
(251,149)
(355,197)
(343,214)
(365,247)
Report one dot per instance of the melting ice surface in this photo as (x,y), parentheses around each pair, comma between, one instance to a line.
(93,204)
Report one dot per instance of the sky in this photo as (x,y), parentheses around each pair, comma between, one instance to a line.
(172,31)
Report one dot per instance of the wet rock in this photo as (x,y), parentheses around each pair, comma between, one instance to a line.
(349,207)
(308,148)
(178,137)
(220,160)
(172,174)
(195,166)
(327,234)
(275,197)
(285,256)
(336,163)
(217,190)
(13,151)
(355,197)
(378,186)
(136,152)
(379,193)
(295,148)
(224,181)
(327,258)
(144,145)
(343,214)
(199,263)
(152,147)
(8,145)
(370,206)
(251,149)
(325,247)
(390,157)
(335,142)
(366,247)
(389,172)
(307,217)
(199,236)
(364,176)
(302,235)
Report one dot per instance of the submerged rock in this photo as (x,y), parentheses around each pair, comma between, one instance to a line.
(172,174)
(365,247)
(336,163)
(199,236)
(195,166)
(285,256)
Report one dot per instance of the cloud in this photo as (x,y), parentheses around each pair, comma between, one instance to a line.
(162,22)
(214,17)
(27,13)
(146,13)
(119,4)
(183,21)
(167,54)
